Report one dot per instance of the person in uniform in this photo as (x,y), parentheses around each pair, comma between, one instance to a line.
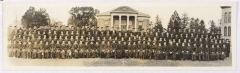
(133,48)
(29,49)
(68,53)
(194,53)
(39,53)
(200,53)
(63,54)
(23,53)
(213,53)
(46,50)
(223,54)
(206,53)
(119,50)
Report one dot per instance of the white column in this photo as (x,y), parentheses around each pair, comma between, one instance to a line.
(127,22)
(135,23)
(120,22)
(111,27)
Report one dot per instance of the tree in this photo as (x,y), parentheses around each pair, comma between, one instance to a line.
(213,28)
(33,17)
(175,22)
(184,20)
(158,25)
(83,16)
(202,26)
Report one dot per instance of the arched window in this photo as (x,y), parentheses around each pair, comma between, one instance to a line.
(225,17)
(225,31)
(229,31)
(229,17)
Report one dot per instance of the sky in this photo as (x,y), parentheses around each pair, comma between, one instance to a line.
(59,11)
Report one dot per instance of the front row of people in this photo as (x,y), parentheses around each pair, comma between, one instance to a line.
(157,54)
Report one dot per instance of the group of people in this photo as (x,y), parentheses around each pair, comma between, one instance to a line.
(72,42)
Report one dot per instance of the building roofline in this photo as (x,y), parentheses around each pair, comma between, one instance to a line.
(225,6)
(121,10)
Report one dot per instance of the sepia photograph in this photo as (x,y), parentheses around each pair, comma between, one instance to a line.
(99,33)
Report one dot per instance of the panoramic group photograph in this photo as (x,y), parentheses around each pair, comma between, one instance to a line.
(119,34)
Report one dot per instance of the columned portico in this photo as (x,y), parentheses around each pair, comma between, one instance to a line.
(122,19)
(123,22)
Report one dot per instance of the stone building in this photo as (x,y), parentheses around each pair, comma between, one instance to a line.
(226,22)
(123,18)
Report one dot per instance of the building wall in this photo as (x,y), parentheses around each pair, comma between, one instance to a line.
(226,23)
(143,22)
(103,21)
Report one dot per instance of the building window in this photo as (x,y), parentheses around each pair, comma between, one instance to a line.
(225,17)
(229,31)
(229,17)
(225,31)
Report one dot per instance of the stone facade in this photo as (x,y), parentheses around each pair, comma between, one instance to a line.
(123,18)
(226,22)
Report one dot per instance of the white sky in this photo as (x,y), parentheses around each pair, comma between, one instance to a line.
(164,9)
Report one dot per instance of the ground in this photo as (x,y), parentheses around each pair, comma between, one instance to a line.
(115,62)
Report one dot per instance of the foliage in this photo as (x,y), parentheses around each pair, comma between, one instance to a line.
(83,16)
(213,28)
(175,22)
(158,25)
(33,17)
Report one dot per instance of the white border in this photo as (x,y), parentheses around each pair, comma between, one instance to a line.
(148,68)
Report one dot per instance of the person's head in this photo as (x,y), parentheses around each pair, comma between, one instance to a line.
(69,43)
(46,43)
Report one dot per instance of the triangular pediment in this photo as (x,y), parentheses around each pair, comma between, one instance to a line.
(124,9)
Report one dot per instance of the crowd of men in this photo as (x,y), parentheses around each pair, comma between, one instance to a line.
(71,42)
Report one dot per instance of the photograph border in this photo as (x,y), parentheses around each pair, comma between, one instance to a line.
(147,68)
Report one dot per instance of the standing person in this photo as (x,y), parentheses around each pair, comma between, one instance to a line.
(206,53)
(193,52)
(86,50)
(97,48)
(218,53)
(124,50)
(120,50)
(29,53)
(39,53)
(46,53)
(58,53)
(75,53)
(158,54)
(34,53)
(212,53)
(62,53)
(23,53)
(183,51)
(200,53)
(228,45)
(178,52)
(18,52)
(53,53)
(46,50)
(114,47)
(102,46)
(188,51)
(68,53)
(223,52)
(29,49)
(134,47)
(165,51)
(148,51)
